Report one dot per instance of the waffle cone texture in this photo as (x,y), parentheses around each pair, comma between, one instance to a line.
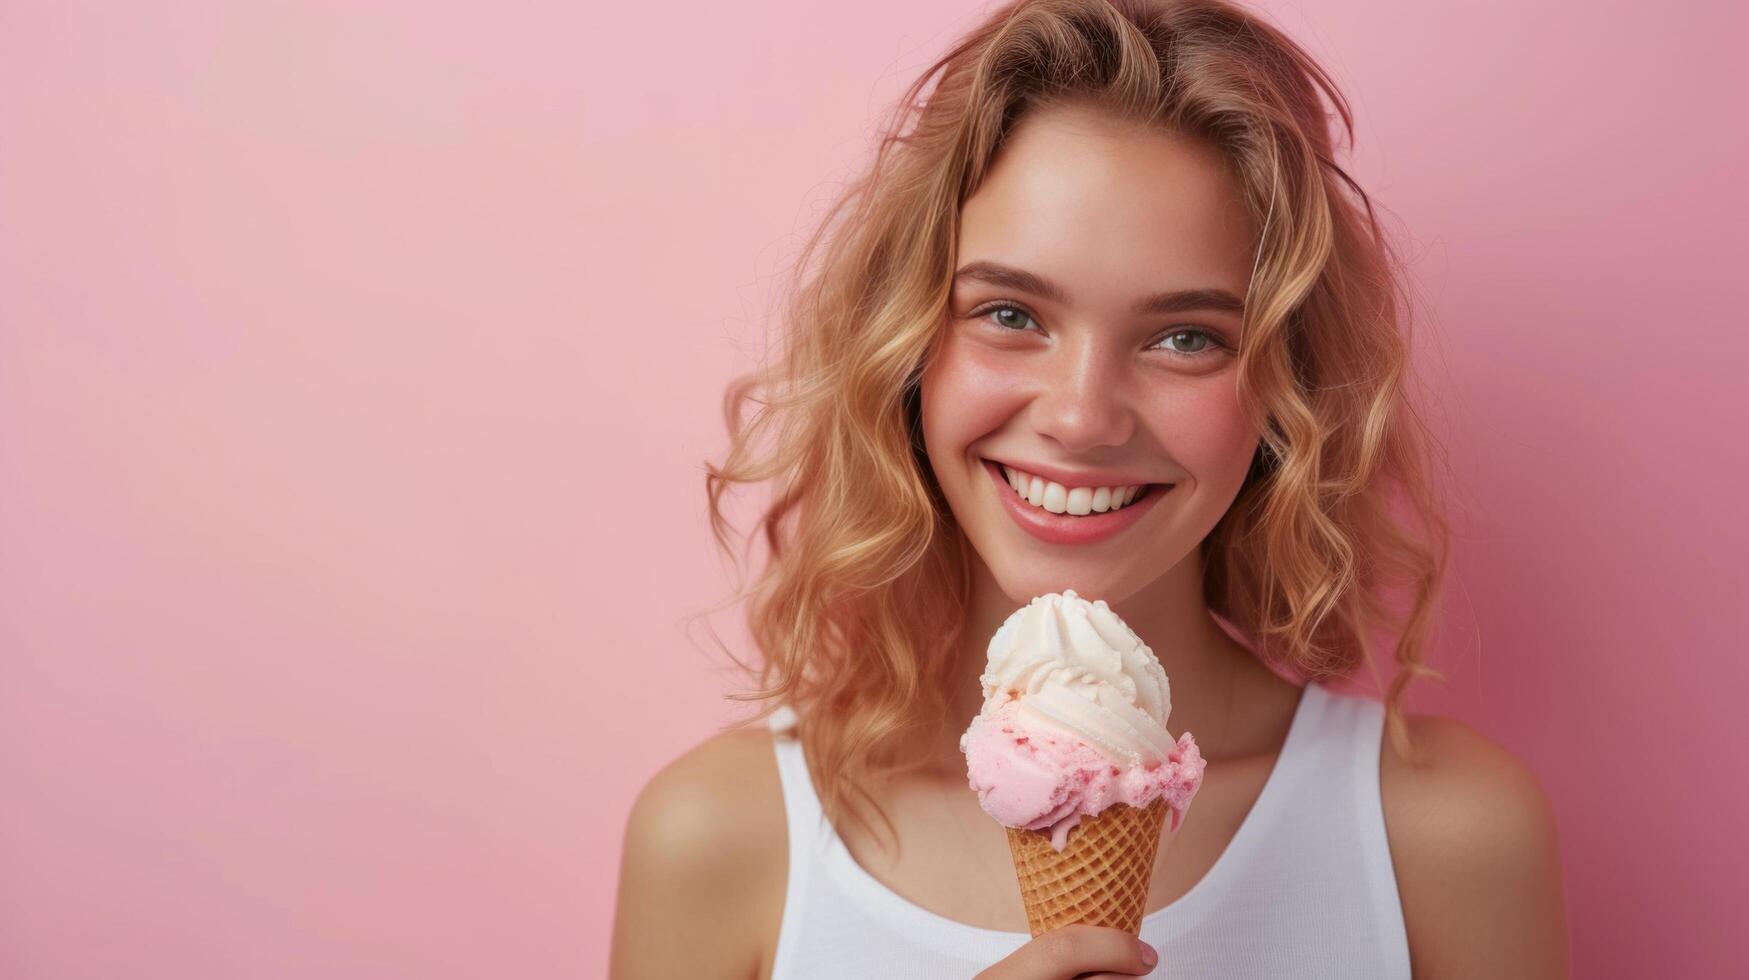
(1101,876)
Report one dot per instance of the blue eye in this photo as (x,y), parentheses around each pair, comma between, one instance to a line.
(1000,308)
(1212,342)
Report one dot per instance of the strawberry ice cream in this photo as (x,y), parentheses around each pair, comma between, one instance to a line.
(1074,721)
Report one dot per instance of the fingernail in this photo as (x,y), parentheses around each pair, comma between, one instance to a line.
(1149,957)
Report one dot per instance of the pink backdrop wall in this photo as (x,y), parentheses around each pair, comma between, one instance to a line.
(357,363)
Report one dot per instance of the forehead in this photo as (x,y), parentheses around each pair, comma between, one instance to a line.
(1109,208)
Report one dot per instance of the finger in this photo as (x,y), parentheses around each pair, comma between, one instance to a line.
(1081,949)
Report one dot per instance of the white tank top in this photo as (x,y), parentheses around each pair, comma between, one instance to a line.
(1305,889)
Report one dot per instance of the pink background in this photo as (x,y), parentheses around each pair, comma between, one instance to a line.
(357,363)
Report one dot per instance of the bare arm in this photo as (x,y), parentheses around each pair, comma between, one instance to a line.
(693,848)
(1478,863)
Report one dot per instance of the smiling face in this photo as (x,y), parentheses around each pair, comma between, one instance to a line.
(1091,340)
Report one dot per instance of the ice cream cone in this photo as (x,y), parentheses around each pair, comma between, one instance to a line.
(1100,877)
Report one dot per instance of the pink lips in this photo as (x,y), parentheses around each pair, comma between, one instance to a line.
(1067,529)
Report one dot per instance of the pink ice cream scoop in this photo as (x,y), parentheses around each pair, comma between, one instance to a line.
(1074,721)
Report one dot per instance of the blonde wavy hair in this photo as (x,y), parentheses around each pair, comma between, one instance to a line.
(863,590)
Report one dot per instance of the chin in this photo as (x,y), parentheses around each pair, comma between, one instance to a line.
(1022,580)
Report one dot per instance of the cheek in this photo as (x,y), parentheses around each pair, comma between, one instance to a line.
(1201,425)
(967,395)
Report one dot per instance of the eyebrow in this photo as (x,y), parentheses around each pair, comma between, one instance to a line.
(1174,301)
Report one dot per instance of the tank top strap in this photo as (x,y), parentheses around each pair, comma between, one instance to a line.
(1335,759)
(1332,731)
(1366,742)
(800,800)
(808,833)
(1333,782)
(1340,747)
(1314,784)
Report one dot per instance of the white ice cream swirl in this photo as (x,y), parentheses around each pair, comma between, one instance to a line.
(1077,666)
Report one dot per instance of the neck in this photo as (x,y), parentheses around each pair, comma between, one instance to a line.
(1202,662)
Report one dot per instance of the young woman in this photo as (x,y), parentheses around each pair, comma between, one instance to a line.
(1110,250)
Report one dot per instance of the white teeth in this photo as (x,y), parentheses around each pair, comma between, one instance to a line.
(1080,501)
(1056,498)
(1059,499)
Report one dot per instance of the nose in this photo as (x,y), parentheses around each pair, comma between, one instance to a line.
(1083,402)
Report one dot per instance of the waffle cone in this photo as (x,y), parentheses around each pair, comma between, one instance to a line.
(1101,876)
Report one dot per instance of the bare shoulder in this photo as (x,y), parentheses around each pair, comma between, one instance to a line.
(1472,837)
(705,843)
